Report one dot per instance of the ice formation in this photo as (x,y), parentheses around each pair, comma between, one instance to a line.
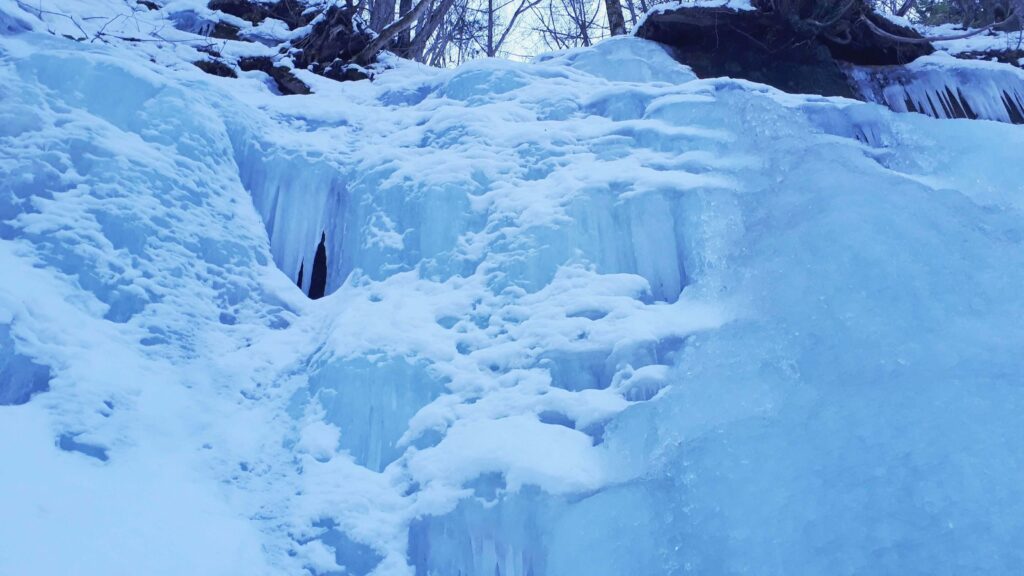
(944,87)
(587,315)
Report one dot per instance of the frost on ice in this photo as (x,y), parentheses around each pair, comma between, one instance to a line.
(579,316)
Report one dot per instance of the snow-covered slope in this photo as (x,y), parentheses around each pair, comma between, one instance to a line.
(586,316)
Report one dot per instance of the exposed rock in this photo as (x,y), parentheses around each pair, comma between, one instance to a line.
(336,38)
(148,4)
(771,48)
(216,67)
(860,46)
(209,49)
(225,31)
(749,45)
(286,82)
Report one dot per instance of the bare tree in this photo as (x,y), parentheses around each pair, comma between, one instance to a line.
(386,35)
(1011,17)
(457,39)
(404,38)
(382,13)
(616,22)
(636,9)
(500,22)
(568,23)
(427,27)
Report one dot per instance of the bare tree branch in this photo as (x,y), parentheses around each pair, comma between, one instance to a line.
(367,54)
(927,40)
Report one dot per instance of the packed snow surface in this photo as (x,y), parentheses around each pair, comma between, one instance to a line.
(584,316)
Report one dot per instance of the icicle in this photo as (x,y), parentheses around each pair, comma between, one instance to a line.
(1013,107)
(967,107)
(945,88)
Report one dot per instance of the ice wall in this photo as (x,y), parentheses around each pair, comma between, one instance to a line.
(371,402)
(316,200)
(417,203)
(553,313)
(489,533)
(382,229)
(943,87)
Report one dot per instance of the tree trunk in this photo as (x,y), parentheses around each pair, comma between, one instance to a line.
(430,25)
(404,37)
(490,28)
(382,13)
(367,54)
(616,22)
(907,5)
(631,8)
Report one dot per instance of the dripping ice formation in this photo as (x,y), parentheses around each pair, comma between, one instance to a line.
(944,87)
(588,316)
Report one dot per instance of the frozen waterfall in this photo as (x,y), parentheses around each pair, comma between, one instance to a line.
(587,315)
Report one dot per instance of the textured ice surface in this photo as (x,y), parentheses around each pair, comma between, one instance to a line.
(587,315)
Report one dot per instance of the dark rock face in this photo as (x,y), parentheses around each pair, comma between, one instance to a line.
(318,279)
(748,45)
(867,49)
(770,48)
(286,82)
(335,40)
(333,37)
(216,67)
(302,270)
(225,31)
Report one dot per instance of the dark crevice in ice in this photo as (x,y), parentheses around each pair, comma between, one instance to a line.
(20,377)
(69,443)
(318,278)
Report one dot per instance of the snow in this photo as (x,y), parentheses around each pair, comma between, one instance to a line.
(586,315)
